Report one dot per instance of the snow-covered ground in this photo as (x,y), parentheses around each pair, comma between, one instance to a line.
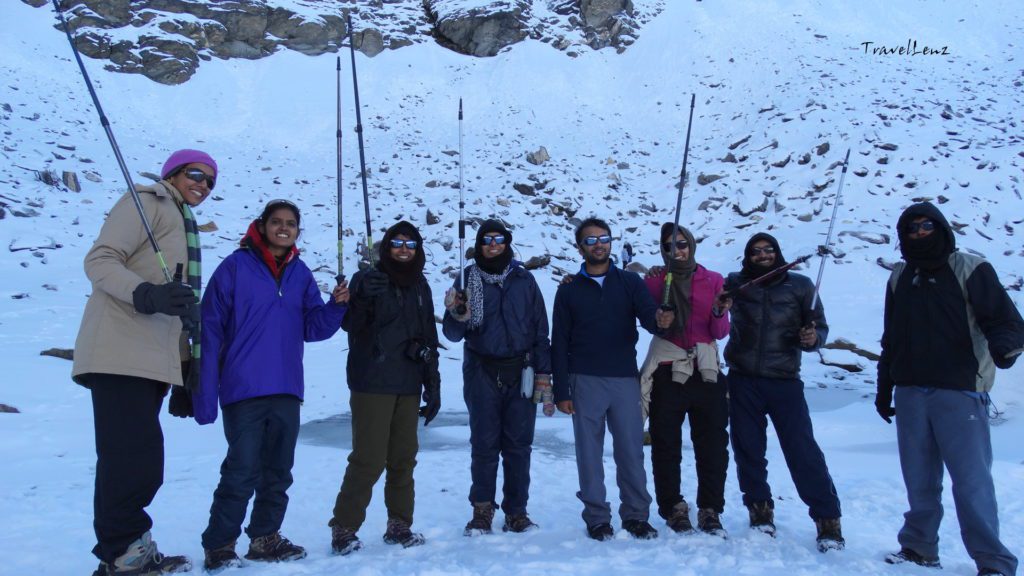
(791,76)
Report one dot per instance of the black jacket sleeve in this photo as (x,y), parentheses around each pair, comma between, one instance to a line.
(998,318)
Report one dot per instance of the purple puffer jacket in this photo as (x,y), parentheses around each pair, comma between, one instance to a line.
(254,328)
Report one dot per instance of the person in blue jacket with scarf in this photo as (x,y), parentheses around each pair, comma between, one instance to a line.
(261,304)
(504,323)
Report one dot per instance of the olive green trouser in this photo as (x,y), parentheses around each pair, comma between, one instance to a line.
(383,438)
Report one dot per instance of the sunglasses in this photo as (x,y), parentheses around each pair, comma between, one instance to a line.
(197,175)
(766,250)
(680,245)
(591,240)
(410,244)
(926,226)
(488,240)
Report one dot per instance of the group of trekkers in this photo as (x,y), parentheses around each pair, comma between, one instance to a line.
(948,323)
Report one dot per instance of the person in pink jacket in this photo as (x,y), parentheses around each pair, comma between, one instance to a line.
(681,378)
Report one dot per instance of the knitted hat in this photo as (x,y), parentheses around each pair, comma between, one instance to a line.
(184,157)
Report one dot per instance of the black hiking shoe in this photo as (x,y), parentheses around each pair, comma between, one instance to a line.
(990,572)
(830,534)
(483,517)
(762,517)
(344,541)
(218,559)
(518,523)
(601,532)
(709,523)
(143,559)
(274,548)
(679,519)
(640,529)
(908,555)
(398,532)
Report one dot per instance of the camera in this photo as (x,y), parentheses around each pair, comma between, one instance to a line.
(418,351)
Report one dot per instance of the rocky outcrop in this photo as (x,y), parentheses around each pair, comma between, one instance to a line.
(167,40)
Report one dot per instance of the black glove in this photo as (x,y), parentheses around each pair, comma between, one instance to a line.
(172,298)
(372,284)
(432,397)
(180,404)
(1004,357)
(883,403)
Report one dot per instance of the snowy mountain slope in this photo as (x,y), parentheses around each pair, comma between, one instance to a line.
(795,74)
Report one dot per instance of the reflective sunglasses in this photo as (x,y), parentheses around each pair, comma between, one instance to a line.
(769,250)
(591,240)
(197,175)
(410,244)
(488,240)
(680,245)
(926,226)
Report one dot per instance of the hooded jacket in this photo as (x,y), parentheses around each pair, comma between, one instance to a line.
(764,339)
(254,326)
(114,338)
(384,331)
(947,326)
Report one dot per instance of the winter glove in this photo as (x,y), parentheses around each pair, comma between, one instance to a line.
(432,397)
(172,298)
(883,403)
(543,393)
(180,404)
(372,284)
(455,303)
(1004,358)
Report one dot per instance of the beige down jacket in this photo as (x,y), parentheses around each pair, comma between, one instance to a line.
(113,337)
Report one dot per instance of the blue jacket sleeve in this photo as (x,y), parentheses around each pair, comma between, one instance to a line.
(218,299)
(321,321)
(561,328)
(541,343)
(643,303)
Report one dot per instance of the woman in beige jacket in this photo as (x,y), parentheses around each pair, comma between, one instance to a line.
(129,353)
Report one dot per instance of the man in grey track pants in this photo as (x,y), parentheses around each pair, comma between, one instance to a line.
(594,366)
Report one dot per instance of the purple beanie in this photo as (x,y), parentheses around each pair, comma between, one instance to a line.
(187,156)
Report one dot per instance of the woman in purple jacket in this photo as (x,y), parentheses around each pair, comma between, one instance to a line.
(261,304)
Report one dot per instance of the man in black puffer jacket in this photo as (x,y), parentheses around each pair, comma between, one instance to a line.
(772,325)
(949,324)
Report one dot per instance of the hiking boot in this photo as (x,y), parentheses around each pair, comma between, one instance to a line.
(344,541)
(143,559)
(601,532)
(908,555)
(274,548)
(640,529)
(518,523)
(218,559)
(398,532)
(762,517)
(483,516)
(830,534)
(679,519)
(990,572)
(709,523)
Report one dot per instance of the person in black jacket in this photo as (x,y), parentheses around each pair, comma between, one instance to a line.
(392,357)
(772,325)
(948,324)
(505,325)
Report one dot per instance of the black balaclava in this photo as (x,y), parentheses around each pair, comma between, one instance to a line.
(750,270)
(497,264)
(404,274)
(932,251)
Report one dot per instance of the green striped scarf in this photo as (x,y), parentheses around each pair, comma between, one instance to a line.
(195,268)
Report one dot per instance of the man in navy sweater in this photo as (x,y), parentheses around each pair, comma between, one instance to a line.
(593,358)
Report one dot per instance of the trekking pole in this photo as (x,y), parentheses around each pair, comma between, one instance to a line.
(362,152)
(341,249)
(828,238)
(117,152)
(766,277)
(666,295)
(461,282)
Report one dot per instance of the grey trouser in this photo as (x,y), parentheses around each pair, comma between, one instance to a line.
(597,400)
(937,427)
